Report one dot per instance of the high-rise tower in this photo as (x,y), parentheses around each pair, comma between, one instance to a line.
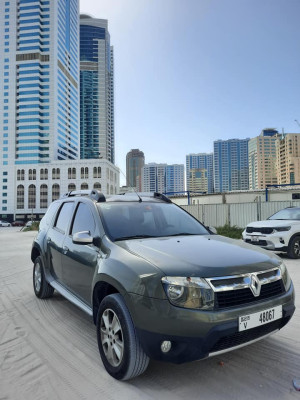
(39,64)
(199,172)
(135,160)
(231,171)
(262,159)
(97,138)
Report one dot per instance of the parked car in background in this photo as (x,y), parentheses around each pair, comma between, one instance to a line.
(280,232)
(156,282)
(18,223)
(29,223)
(5,223)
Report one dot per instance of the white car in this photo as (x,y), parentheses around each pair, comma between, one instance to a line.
(4,223)
(280,232)
(29,224)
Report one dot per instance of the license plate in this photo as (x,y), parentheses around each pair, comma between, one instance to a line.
(254,238)
(260,318)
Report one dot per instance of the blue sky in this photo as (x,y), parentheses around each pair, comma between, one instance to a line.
(188,72)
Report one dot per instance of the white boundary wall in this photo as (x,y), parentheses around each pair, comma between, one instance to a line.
(236,214)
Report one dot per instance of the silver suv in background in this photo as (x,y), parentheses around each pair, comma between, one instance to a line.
(156,282)
(280,232)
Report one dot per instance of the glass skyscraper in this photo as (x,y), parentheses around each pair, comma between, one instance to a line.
(231,169)
(39,59)
(96,90)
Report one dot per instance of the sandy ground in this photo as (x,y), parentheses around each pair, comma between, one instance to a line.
(48,350)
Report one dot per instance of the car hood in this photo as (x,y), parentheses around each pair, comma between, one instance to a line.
(271,223)
(201,255)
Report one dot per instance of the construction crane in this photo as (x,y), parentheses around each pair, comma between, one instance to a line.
(297,122)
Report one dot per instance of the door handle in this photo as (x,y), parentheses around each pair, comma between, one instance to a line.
(49,240)
(65,249)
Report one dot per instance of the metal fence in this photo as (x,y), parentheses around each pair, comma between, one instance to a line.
(236,214)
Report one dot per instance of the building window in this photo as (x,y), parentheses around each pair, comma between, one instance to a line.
(71,173)
(71,187)
(20,197)
(44,174)
(97,185)
(97,172)
(84,173)
(32,174)
(43,196)
(55,192)
(31,196)
(84,186)
(55,173)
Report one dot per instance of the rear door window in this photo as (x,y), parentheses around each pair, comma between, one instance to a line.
(64,217)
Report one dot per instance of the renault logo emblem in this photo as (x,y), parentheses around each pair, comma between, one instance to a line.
(255,285)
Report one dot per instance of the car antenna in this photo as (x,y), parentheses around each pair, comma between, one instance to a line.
(131,187)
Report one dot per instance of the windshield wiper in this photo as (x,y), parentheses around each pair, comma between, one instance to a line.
(134,237)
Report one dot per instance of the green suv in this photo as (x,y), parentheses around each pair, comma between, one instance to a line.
(157,283)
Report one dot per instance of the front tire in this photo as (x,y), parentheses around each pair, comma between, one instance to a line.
(119,347)
(41,287)
(294,247)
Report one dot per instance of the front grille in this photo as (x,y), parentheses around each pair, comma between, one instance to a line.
(232,298)
(267,231)
(259,243)
(239,338)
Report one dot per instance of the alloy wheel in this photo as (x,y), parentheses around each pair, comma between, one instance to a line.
(297,248)
(37,277)
(112,337)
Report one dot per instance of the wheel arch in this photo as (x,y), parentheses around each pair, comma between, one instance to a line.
(35,252)
(100,291)
(293,236)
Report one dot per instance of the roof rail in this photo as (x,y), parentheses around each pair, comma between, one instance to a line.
(162,197)
(93,194)
(156,195)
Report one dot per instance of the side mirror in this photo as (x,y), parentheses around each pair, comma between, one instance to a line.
(212,230)
(83,238)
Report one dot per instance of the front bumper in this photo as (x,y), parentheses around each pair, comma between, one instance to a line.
(198,334)
(275,242)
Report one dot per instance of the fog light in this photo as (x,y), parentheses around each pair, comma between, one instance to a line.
(166,346)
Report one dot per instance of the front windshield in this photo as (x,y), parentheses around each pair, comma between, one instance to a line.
(288,213)
(147,219)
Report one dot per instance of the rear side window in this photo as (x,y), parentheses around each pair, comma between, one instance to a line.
(84,220)
(48,217)
(64,216)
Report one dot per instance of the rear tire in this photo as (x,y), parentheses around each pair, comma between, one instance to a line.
(294,247)
(41,287)
(119,346)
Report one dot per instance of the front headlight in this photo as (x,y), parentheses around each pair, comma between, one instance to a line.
(285,276)
(282,228)
(189,292)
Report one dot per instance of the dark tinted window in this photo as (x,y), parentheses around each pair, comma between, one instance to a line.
(84,220)
(64,216)
(126,220)
(47,218)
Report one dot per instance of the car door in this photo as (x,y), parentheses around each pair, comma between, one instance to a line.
(79,261)
(55,239)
